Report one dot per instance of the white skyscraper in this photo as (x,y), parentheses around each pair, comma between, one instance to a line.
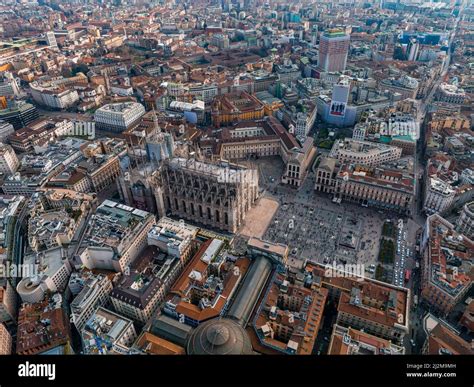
(333,50)
(51,39)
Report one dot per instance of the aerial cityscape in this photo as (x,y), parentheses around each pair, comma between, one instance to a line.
(242,177)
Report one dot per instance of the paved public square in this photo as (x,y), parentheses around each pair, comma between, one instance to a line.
(335,232)
(259,217)
(316,228)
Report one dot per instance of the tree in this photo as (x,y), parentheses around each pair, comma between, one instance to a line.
(80,68)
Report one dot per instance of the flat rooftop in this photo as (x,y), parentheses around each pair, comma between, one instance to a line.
(275,248)
(449,252)
(102,330)
(139,288)
(112,223)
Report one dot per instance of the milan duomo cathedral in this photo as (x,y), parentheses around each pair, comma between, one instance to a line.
(217,194)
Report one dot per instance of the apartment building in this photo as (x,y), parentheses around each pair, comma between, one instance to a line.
(139,292)
(450,94)
(54,97)
(301,119)
(115,236)
(107,332)
(446,266)
(95,292)
(443,339)
(43,328)
(37,132)
(350,341)
(8,161)
(438,195)
(454,122)
(39,168)
(175,238)
(101,171)
(406,86)
(50,229)
(287,73)
(465,222)
(361,309)
(288,319)
(71,180)
(5,130)
(375,307)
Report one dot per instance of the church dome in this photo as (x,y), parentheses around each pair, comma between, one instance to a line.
(219,337)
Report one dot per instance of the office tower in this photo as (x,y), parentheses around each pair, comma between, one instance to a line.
(333,49)
(51,39)
(8,161)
